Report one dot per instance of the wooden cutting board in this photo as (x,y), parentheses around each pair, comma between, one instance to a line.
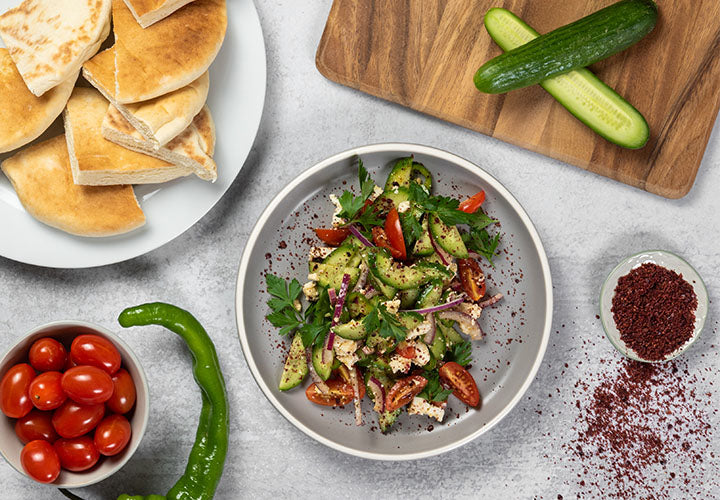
(423,54)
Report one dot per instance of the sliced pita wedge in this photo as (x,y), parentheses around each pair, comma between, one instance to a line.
(43,182)
(191,149)
(49,39)
(98,162)
(158,120)
(148,12)
(24,116)
(168,55)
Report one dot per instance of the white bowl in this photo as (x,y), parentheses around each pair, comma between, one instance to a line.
(503,368)
(65,332)
(667,260)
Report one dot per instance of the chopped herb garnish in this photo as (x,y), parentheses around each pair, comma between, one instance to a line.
(462,353)
(433,391)
(312,326)
(352,205)
(411,228)
(386,324)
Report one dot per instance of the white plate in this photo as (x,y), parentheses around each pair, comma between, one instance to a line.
(504,364)
(237,95)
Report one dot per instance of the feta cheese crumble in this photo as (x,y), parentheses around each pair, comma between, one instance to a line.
(420,406)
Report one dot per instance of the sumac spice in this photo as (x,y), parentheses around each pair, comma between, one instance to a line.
(654,311)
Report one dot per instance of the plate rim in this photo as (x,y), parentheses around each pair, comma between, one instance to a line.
(116,259)
(474,169)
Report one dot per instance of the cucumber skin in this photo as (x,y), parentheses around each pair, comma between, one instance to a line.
(551,85)
(576,45)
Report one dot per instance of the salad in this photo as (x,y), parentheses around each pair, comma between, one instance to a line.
(393,300)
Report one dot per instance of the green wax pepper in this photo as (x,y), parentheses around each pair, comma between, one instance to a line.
(207,458)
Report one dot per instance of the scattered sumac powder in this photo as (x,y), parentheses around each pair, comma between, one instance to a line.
(654,310)
(644,432)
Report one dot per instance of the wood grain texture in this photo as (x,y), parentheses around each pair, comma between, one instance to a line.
(423,54)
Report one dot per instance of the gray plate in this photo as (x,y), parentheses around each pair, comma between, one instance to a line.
(504,363)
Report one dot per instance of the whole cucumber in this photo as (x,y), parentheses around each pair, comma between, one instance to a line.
(576,45)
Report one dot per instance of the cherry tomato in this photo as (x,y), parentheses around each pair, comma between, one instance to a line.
(14,399)
(380,238)
(72,419)
(40,461)
(46,391)
(339,394)
(345,376)
(393,229)
(123,398)
(472,278)
(77,454)
(36,425)
(47,355)
(404,391)
(463,384)
(87,385)
(333,237)
(471,205)
(95,351)
(405,350)
(112,435)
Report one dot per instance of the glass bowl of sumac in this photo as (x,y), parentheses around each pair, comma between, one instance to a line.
(74,404)
(653,306)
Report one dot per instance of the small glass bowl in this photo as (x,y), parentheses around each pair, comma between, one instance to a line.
(667,260)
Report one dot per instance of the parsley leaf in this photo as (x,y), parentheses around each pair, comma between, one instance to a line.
(313,325)
(480,241)
(462,353)
(433,391)
(351,205)
(386,324)
(411,228)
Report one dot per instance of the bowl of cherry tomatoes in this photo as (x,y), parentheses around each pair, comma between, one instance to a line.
(74,402)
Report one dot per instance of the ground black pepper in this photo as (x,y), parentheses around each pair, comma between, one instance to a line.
(654,310)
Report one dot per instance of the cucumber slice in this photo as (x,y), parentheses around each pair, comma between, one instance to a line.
(409,321)
(405,171)
(323,369)
(452,336)
(341,256)
(352,330)
(380,344)
(393,198)
(403,277)
(296,367)
(387,291)
(430,295)
(423,246)
(386,419)
(332,276)
(448,237)
(438,346)
(357,304)
(582,93)
(408,297)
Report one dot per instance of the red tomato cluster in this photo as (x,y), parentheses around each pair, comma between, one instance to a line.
(69,408)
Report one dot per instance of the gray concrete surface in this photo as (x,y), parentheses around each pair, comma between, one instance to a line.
(587,223)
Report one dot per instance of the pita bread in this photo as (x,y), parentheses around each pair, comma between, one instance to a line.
(98,162)
(43,182)
(191,149)
(24,116)
(169,54)
(148,12)
(49,39)
(158,120)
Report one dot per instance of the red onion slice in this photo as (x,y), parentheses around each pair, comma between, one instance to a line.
(378,393)
(356,232)
(332,295)
(341,299)
(441,307)
(470,326)
(430,335)
(444,257)
(356,396)
(328,354)
(370,292)
(364,271)
(319,383)
(492,300)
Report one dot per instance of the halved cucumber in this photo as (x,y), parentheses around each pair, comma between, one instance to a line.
(387,418)
(394,197)
(424,246)
(448,237)
(452,336)
(380,344)
(387,291)
(438,346)
(410,321)
(357,304)
(403,277)
(323,369)
(295,368)
(430,295)
(581,92)
(408,297)
(352,330)
(332,276)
